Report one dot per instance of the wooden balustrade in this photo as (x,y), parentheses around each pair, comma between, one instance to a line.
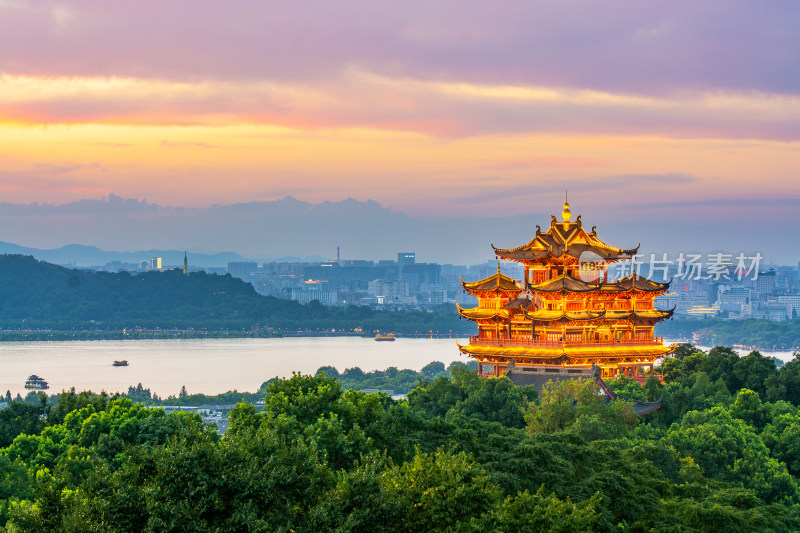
(477,341)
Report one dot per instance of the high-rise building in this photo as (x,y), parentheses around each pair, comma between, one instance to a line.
(406,258)
(564,312)
(765,284)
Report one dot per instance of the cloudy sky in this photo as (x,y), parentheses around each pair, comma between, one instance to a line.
(682,110)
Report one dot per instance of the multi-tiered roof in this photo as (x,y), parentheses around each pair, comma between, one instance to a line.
(565,311)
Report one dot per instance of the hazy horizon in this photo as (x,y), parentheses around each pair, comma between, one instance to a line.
(368,230)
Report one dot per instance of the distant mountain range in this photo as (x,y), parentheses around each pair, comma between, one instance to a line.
(287,228)
(81,256)
(293,229)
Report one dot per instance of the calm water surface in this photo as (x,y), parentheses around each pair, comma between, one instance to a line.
(209,366)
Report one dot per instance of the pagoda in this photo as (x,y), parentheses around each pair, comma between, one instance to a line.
(564,316)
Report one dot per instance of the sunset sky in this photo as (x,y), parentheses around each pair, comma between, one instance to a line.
(435,109)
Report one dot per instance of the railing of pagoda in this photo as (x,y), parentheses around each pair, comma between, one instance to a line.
(477,341)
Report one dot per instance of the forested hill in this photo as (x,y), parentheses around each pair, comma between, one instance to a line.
(35,294)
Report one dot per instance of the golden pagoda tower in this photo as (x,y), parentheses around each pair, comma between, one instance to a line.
(565,314)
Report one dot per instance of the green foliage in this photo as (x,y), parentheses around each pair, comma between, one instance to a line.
(439,491)
(629,388)
(538,512)
(492,400)
(748,407)
(399,381)
(782,436)
(454,456)
(431,370)
(785,384)
(729,509)
(566,403)
(21,417)
(729,450)
(753,372)
(68,401)
(683,350)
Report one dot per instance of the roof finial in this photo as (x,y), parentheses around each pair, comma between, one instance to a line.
(566,213)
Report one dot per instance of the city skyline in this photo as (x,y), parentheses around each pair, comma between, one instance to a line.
(680,111)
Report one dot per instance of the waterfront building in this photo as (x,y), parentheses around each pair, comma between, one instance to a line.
(565,313)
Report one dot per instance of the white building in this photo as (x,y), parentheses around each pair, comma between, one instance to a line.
(323,296)
(772,310)
(793,302)
(667,301)
(735,300)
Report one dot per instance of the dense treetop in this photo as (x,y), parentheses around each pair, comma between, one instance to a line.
(461,453)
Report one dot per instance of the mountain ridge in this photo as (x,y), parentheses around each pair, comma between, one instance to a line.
(365,229)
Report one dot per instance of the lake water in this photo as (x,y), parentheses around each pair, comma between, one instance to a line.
(208,366)
(211,366)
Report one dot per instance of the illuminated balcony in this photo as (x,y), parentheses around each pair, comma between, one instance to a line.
(527,343)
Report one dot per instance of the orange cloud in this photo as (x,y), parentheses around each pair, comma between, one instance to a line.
(357,99)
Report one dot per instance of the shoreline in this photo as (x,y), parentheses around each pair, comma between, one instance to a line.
(159,334)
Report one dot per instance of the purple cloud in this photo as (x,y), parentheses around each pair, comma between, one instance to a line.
(624,45)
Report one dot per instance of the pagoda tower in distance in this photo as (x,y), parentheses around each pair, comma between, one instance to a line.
(564,315)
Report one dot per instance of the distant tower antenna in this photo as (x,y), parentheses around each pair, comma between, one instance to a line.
(185,264)
(338,260)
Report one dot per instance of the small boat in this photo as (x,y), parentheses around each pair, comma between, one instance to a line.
(121,363)
(34,382)
(387,337)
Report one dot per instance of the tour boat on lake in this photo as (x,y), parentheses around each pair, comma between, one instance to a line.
(34,382)
(387,337)
(121,363)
